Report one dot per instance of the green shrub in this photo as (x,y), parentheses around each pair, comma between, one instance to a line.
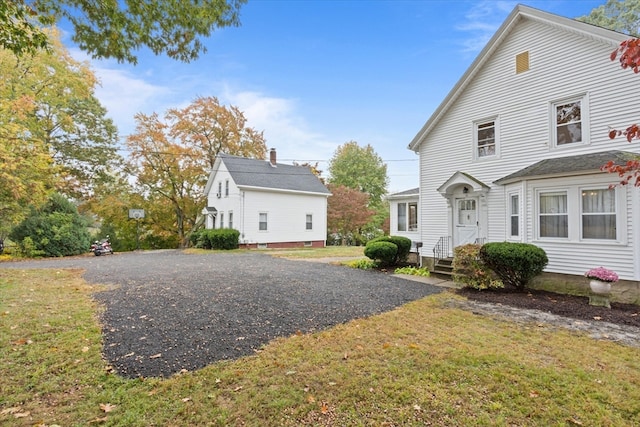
(362,264)
(402,243)
(220,238)
(413,271)
(384,253)
(515,263)
(470,271)
(54,230)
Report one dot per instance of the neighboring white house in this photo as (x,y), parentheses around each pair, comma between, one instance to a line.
(271,204)
(403,214)
(513,153)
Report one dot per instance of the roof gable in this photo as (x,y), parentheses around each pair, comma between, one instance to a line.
(261,174)
(519,14)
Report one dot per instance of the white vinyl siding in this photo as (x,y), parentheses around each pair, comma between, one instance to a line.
(523,104)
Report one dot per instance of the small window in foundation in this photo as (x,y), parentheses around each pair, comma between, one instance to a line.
(522,62)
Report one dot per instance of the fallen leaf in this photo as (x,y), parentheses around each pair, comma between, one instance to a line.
(107,407)
(417,407)
(155,356)
(386,345)
(290,372)
(218,380)
(324,409)
(597,318)
(346,356)
(21,414)
(414,346)
(85,349)
(237,388)
(311,399)
(534,394)
(98,420)
(186,399)
(7,411)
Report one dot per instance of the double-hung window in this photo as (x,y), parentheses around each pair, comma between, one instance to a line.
(485,135)
(226,188)
(569,118)
(553,214)
(309,222)
(221,220)
(514,215)
(413,216)
(262,221)
(402,217)
(230,219)
(598,214)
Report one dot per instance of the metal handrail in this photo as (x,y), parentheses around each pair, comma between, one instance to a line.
(441,249)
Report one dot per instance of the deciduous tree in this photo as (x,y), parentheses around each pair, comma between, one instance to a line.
(347,213)
(116,29)
(170,158)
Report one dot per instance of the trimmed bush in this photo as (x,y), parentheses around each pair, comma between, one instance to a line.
(402,243)
(514,263)
(470,271)
(220,238)
(384,253)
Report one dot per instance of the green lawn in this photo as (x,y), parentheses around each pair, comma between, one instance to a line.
(421,364)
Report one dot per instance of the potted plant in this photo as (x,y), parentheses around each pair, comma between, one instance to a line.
(600,279)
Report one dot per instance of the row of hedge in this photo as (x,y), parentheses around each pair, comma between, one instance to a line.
(219,238)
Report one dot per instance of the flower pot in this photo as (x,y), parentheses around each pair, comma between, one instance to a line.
(599,287)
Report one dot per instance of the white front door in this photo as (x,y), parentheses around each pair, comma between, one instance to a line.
(465,221)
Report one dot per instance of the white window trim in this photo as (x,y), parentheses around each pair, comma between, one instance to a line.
(230,219)
(584,114)
(496,125)
(510,236)
(574,212)
(406,216)
(618,208)
(267,222)
(305,222)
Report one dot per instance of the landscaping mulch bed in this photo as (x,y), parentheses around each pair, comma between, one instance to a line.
(575,307)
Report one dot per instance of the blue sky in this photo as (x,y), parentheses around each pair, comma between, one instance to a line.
(315,74)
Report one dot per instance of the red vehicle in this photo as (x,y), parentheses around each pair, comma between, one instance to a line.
(101,247)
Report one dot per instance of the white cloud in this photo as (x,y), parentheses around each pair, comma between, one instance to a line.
(283,127)
(482,21)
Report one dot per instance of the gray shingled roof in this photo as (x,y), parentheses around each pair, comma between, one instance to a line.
(569,165)
(411,192)
(259,173)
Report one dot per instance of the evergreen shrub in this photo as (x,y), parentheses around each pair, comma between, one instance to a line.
(514,263)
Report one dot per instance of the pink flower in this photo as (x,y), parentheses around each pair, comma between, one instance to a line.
(602,274)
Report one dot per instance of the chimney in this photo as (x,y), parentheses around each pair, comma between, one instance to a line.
(272,157)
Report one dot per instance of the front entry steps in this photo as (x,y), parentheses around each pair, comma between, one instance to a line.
(444,266)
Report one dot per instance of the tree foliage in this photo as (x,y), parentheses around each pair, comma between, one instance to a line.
(360,168)
(622,16)
(347,213)
(54,230)
(116,29)
(54,134)
(170,157)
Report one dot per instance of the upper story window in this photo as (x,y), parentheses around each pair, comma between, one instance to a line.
(485,135)
(570,121)
(219,189)
(226,188)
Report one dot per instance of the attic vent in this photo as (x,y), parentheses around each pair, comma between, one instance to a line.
(522,62)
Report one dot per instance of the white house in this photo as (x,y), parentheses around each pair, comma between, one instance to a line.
(513,153)
(403,214)
(271,204)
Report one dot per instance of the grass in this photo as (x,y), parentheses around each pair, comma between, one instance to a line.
(424,363)
(326,252)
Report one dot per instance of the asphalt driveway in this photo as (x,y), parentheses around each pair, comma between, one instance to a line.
(172,311)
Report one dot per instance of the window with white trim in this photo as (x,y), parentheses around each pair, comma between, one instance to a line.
(568,119)
(221,220)
(219,189)
(262,221)
(413,216)
(598,214)
(230,219)
(402,217)
(226,188)
(485,138)
(553,217)
(514,215)
(309,222)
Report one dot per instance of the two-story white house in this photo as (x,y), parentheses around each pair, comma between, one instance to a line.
(513,153)
(272,205)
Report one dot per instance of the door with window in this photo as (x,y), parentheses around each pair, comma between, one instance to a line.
(465,221)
